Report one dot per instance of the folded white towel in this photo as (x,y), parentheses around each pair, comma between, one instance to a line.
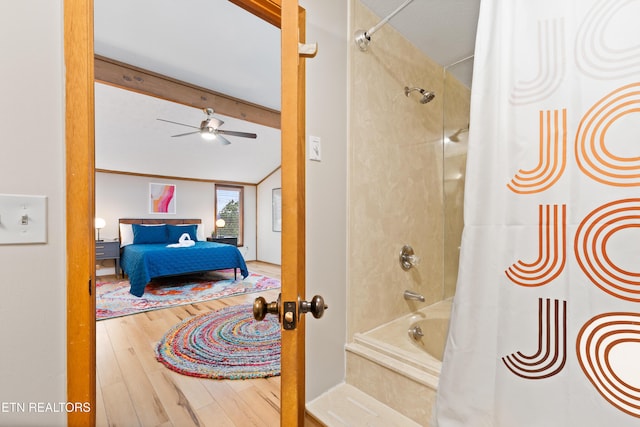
(183,242)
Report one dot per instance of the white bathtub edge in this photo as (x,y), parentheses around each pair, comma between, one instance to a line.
(346,405)
(408,371)
(422,361)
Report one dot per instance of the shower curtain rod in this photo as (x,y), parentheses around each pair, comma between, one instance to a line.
(458,61)
(363,38)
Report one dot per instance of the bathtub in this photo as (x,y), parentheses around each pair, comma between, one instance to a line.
(392,345)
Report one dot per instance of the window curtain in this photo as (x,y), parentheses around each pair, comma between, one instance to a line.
(545,327)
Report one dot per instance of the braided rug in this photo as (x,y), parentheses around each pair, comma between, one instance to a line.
(225,344)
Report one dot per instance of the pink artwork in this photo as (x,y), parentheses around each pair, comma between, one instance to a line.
(162,198)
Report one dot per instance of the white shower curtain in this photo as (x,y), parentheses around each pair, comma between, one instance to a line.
(545,329)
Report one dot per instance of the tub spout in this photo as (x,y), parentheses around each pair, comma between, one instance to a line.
(410,295)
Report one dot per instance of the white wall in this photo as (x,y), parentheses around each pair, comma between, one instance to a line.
(326,182)
(269,241)
(127,196)
(33,288)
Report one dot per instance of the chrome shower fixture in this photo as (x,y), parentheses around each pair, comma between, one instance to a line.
(455,137)
(413,296)
(427,96)
(416,333)
(408,260)
(363,38)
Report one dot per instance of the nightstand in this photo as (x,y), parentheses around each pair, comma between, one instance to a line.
(109,250)
(226,240)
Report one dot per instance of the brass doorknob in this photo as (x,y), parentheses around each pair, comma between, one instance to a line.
(316,306)
(261,308)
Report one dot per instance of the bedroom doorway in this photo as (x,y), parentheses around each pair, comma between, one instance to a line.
(80,152)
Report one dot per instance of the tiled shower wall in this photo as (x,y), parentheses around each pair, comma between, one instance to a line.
(396,192)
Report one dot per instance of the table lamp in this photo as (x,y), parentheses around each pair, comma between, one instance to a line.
(219,224)
(99,223)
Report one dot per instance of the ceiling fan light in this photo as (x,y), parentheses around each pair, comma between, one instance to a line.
(208,134)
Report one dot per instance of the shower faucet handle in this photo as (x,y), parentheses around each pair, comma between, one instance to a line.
(408,258)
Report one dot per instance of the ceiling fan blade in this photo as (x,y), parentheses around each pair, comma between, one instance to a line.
(184,134)
(211,122)
(176,123)
(223,140)
(234,133)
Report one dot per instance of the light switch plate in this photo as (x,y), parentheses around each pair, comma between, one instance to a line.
(315,148)
(23,219)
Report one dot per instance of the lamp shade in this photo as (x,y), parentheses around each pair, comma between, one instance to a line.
(99,223)
(220,223)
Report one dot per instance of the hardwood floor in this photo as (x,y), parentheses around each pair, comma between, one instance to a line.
(133,389)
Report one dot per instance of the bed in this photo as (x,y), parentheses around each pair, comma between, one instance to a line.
(145,254)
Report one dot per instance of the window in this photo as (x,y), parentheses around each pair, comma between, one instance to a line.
(229,208)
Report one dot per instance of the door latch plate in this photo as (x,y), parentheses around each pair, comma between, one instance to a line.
(290,316)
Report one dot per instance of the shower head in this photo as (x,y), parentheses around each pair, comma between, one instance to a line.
(427,96)
(455,137)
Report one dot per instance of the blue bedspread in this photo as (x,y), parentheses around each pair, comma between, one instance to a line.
(144,262)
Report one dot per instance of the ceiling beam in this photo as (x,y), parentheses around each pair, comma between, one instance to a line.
(119,74)
(268,10)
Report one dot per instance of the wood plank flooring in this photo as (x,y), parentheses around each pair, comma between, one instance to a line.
(133,389)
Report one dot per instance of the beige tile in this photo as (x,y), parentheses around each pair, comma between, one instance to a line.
(396,189)
(346,406)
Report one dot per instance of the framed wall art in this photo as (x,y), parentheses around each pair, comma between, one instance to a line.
(162,198)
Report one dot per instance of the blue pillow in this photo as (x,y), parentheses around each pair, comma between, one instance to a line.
(149,233)
(175,231)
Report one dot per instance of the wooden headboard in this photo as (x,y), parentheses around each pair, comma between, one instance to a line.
(172,221)
(158,221)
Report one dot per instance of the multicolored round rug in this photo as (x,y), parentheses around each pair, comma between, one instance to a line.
(224,344)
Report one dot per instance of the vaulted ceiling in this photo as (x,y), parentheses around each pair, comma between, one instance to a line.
(216,45)
(210,44)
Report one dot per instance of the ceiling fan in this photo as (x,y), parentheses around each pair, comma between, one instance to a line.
(210,129)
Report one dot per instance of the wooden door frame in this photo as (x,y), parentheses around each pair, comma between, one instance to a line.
(80,202)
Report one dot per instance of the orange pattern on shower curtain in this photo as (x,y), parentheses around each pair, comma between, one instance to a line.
(552,158)
(552,250)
